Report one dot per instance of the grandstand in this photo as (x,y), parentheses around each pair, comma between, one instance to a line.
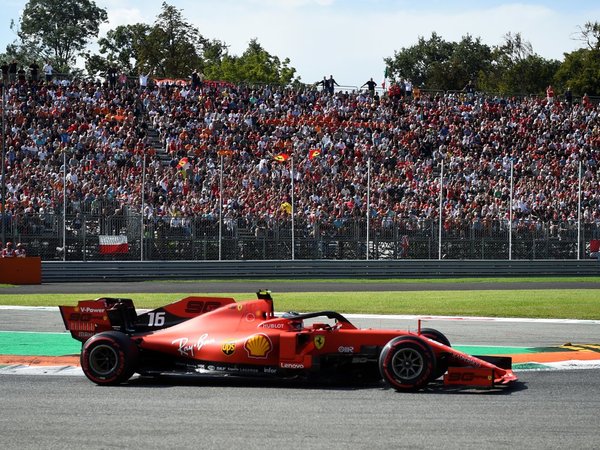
(193,174)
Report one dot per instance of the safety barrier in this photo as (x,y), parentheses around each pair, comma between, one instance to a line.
(21,270)
(58,271)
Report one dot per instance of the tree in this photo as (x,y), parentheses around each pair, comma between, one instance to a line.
(590,34)
(580,71)
(23,50)
(516,69)
(422,63)
(173,47)
(515,48)
(468,60)
(531,75)
(61,28)
(121,47)
(437,64)
(257,65)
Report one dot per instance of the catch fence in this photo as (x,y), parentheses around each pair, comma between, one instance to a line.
(77,238)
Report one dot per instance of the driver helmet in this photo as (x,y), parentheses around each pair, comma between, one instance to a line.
(296,324)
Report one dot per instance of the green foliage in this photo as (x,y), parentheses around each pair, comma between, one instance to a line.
(256,65)
(174,48)
(60,28)
(580,71)
(437,64)
(422,63)
(121,47)
(509,68)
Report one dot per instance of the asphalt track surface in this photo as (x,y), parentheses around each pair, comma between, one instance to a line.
(545,409)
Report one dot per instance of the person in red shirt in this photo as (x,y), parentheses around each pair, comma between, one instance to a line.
(550,94)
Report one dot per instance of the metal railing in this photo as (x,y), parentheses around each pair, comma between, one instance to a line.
(58,271)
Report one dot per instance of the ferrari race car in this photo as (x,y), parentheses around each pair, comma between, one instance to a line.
(200,335)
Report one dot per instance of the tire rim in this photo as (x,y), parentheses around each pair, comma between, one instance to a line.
(103,360)
(407,364)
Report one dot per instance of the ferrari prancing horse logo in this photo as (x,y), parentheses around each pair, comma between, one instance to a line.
(319,341)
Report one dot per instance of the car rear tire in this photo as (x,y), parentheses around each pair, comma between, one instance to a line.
(109,358)
(407,363)
(442,361)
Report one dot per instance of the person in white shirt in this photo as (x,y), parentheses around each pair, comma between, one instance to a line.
(144,80)
(48,71)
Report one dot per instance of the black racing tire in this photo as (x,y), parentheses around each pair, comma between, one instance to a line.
(407,363)
(109,358)
(442,360)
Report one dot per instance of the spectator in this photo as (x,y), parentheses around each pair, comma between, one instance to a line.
(48,71)
(569,97)
(550,94)
(330,84)
(21,75)
(112,74)
(34,71)
(20,251)
(12,71)
(4,69)
(143,80)
(370,86)
(322,83)
(8,251)
(469,89)
(196,82)
(408,87)
(585,101)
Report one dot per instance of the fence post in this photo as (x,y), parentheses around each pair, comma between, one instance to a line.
(579,216)
(510,212)
(440,212)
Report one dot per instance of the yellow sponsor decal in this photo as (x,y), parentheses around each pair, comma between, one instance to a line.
(258,346)
(228,347)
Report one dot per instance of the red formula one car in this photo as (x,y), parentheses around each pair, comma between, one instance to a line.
(219,335)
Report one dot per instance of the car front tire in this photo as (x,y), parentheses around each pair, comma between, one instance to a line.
(407,363)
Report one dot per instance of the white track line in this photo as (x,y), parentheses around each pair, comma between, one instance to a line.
(382,316)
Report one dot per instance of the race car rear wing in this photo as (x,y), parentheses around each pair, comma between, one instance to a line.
(90,317)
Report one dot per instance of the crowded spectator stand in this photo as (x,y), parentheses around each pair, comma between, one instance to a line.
(111,154)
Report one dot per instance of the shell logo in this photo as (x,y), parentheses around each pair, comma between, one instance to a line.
(258,346)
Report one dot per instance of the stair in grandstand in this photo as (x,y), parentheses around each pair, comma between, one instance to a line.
(156,144)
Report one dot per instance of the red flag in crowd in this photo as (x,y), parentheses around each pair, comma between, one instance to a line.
(224,152)
(183,164)
(281,157)
(314,153)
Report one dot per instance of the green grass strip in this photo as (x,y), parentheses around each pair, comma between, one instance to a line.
(530,303)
